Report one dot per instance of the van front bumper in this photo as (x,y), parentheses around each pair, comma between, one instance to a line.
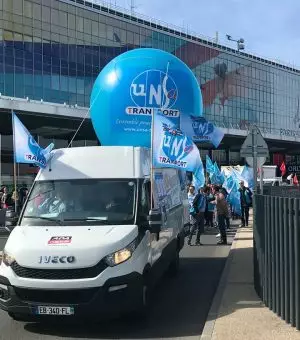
(118,296)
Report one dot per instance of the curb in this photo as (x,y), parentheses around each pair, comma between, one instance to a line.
(217,300)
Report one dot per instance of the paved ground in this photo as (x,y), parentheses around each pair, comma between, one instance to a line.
(3,231)
(241,314)
(2,242)
(179,306)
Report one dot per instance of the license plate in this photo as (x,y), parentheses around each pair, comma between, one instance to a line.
(47,310)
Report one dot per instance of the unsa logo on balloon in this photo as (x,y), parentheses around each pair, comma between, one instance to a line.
(151,90)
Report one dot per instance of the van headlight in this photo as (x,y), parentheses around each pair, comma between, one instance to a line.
(122,255)
(7,258)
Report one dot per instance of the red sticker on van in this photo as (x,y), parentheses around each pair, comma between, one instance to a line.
(60,239)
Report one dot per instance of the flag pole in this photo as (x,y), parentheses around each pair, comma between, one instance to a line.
(152,153)
(15,164)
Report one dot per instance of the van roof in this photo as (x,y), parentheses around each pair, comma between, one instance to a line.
(97,162)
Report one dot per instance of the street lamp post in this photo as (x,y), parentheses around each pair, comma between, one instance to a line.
(240,42)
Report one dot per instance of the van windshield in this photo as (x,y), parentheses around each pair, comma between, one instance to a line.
(80,202)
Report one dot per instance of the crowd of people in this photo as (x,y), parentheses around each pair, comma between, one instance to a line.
(210,207)
(8,199)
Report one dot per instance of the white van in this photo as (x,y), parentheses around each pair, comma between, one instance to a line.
(87,241)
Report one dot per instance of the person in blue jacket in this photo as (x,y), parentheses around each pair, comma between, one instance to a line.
(246,203)
(197,211)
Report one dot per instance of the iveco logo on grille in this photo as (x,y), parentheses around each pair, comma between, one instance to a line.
(56,259)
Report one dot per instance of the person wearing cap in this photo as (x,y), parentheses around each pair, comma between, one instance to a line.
(246,203)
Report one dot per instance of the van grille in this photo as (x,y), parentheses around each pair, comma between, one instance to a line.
(59,274)
(75,296)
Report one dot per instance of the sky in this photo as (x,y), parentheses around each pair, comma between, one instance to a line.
(270,28)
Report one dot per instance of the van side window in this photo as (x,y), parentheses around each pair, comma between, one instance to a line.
(145,200)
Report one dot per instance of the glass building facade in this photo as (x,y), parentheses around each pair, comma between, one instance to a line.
(54,50)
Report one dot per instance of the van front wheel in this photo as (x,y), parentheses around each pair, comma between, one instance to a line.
(174,265)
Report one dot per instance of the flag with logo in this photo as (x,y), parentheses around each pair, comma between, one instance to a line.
(201,130)
(172,148)
(283,169)
(26,149)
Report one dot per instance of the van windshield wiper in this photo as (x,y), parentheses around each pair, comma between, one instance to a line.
(87,219)
(59,222)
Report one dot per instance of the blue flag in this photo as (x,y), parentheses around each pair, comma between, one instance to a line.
(223,176)
(218,176)
(229,183)
(198,177)
(215,175)
(235,200)
(26,149)
(209,165)
(200,130)
(247,174)
(237,176)
(172,148)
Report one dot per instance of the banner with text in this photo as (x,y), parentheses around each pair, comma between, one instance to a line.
(26,149)
(200,130)
(172,148)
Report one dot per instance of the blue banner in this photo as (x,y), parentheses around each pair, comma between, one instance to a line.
(172,148)
(26,149)
(200,130)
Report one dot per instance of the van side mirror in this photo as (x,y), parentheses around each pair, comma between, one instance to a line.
(155,221)
(11,220)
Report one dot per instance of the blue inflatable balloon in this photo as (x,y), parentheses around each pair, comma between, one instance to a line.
(135,85)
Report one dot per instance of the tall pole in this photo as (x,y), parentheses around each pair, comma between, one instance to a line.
(217,37)
(261,180)
(15,163)
(152,153)
(132,7)
(152,143)
(0,160)
(254,148)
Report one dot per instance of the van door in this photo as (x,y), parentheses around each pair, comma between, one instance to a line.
(172,194)
(155,244)
(162,201)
